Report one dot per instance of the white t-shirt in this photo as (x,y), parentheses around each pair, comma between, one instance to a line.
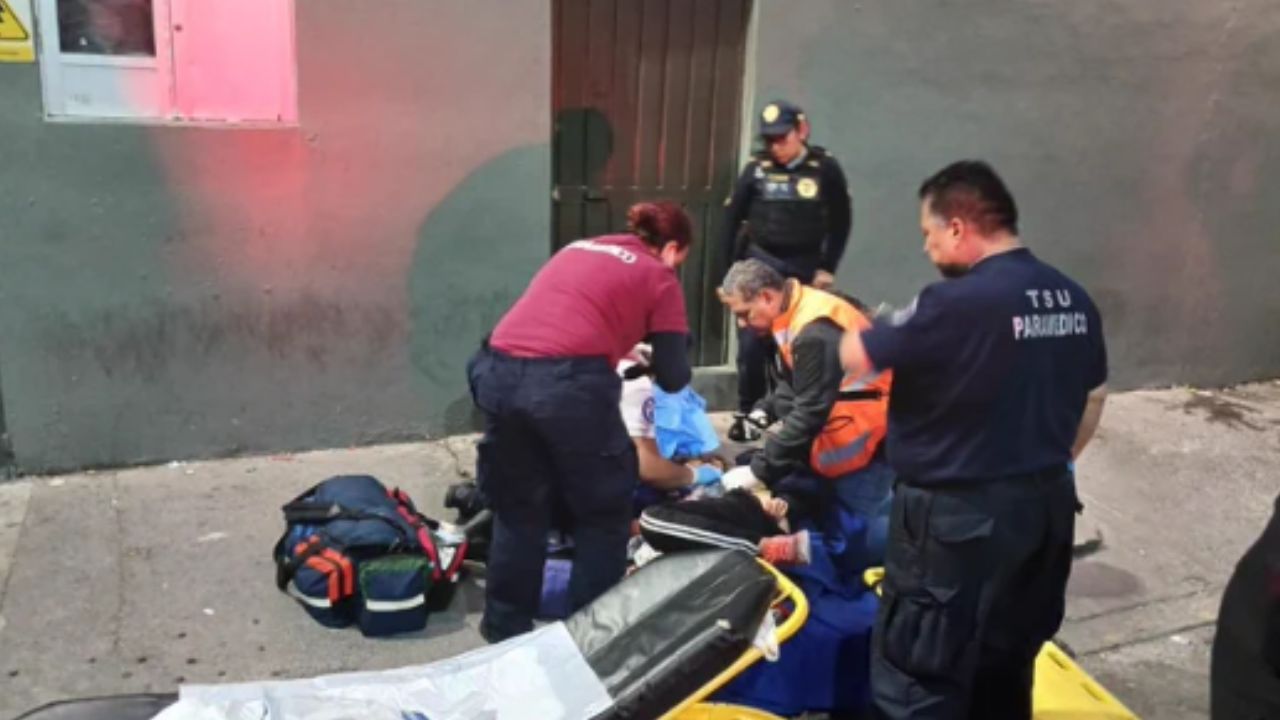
(637,403)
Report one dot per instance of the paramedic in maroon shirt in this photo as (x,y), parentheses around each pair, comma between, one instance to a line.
(553,435)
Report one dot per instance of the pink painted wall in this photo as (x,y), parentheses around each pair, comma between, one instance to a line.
(182,292)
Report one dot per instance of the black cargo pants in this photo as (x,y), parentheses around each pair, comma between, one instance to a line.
(553,437)
(975,583)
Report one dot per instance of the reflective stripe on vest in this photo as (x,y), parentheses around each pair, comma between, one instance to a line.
(855,428)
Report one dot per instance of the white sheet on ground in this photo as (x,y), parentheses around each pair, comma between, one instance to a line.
(538,675)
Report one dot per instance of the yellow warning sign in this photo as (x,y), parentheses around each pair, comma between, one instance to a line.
(16,43)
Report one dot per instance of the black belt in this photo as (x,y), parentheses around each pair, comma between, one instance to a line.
(1048,474)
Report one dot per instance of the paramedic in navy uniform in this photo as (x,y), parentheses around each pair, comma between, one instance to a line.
(998,385)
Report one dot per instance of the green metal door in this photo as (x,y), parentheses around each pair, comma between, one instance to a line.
(648,97)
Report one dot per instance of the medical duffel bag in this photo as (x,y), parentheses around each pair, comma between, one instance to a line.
(355,552)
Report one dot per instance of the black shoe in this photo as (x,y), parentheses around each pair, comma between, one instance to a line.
(743,430)
(493,636)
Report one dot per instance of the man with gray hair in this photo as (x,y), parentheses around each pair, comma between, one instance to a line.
(747,278)
(826,452)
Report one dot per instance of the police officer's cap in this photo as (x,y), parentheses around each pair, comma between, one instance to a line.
(779,117)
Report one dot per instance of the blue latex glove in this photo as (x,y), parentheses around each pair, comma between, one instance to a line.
(704,475)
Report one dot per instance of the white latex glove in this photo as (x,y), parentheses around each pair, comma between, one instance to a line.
(741,477)
(759,418)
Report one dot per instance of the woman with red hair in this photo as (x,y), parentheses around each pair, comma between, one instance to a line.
(553,434)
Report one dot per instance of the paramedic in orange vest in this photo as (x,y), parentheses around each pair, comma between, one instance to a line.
(826,452)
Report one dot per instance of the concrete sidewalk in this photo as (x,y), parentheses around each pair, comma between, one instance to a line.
(141,579)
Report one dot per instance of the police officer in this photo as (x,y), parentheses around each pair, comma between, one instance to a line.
(791,209)
(998,385)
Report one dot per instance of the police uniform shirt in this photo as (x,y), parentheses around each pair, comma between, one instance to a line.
(802,210)
(991,371)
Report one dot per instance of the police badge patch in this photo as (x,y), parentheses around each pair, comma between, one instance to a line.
(807,188)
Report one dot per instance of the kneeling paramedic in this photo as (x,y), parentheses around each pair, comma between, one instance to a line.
(998,385)
(553,435)
(825,456)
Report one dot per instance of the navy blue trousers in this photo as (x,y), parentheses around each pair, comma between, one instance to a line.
(755,352)
(975,582)
(553,437)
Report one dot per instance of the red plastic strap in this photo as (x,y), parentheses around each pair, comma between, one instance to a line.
(458,558)
(425,540)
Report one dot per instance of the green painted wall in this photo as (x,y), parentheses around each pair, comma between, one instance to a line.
(180,292)
(1141,139)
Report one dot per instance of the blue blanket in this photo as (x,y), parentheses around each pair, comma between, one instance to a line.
(826,666)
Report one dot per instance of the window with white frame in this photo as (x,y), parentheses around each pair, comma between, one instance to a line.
(203,61)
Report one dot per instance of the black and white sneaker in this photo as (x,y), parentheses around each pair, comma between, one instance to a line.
(743,430)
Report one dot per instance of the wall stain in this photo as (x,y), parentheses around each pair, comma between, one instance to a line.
(1220,410)
(149,342)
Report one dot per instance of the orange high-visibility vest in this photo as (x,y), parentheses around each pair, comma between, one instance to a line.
(855,428)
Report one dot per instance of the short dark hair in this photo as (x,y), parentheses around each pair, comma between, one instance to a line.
(971,190)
